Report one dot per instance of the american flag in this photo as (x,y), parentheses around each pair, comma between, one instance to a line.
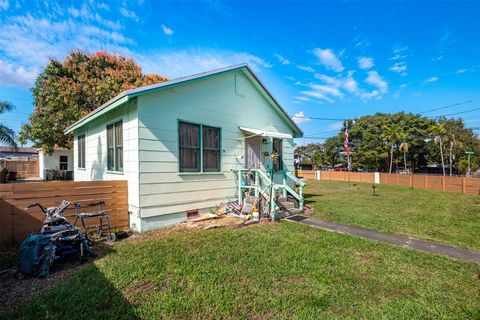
(345,144)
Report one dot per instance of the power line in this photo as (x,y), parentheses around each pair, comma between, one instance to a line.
(455,113)
(449,106)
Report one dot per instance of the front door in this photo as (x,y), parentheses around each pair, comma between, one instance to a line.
(253,147)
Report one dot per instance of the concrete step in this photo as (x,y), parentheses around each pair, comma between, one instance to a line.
(286,205)
(281,214)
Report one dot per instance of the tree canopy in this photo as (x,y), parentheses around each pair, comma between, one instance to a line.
(68,90)
(375,140)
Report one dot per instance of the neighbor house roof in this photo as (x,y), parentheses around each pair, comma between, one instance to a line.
(126,95)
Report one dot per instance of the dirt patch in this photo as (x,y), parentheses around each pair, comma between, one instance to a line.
(363,258)
(14,291)
(146,286)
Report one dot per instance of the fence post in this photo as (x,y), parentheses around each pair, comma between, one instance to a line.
(397,177)
(411,181)
(318,175)
(443,183)
(426,182)
(464,185)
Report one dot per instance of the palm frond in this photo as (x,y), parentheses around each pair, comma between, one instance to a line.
(6,106)
(7,136)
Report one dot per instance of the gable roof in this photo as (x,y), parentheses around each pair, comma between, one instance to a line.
(126,95)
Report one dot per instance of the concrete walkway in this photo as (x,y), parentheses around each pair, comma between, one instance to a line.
(398,240)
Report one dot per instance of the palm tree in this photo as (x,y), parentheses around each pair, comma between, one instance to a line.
(7,135)
(439,133)
(390,133)
(452,142)
(404,147)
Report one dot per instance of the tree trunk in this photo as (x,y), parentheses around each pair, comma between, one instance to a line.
(391,159)
(405,160)
(441,155)
(451,158)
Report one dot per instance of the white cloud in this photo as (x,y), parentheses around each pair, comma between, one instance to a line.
(399,67)
(317,95)
(431,80)
(365,62)
(399,53)
(103,6)
(337,86)
(376,80)
(185,62)
(303,98)
(4,4)
(328,59)
(306,68)
(129,14)
(167,30)
(16,76)
(461,71)
(330,90)
(299,118)
(281,59)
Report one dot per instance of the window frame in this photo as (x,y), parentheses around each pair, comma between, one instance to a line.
(116,166)
(279,155)
(200,169)
(81,143)
(60,162)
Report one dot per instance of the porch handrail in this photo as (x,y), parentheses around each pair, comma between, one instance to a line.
(286,188)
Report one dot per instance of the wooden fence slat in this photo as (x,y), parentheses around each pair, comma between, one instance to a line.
(421,181)
(16,222)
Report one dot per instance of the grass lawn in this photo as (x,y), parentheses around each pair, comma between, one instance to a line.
(272,271)
(426,214)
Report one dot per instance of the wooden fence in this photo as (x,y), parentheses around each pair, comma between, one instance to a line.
(421,181)
(16,222)
(24,169)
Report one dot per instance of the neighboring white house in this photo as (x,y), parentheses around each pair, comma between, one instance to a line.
(60,159)
(180,142)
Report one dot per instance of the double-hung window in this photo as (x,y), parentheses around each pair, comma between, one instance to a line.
(199,148)
(115,146)
(81,151)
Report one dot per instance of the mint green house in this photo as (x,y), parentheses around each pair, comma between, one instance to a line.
(189,144)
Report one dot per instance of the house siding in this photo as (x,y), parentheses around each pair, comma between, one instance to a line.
(96,153)
(214,101)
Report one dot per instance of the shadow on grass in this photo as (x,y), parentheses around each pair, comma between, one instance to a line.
(308,197)
(72,292)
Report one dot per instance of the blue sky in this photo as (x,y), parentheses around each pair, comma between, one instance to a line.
(319,59)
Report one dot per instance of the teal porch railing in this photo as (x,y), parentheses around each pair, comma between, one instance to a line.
(264,186)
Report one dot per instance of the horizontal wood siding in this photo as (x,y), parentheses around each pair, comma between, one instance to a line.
(96,150)
(213,102)
(17,222)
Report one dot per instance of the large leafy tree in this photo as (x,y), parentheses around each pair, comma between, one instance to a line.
(377,141)
(68,90)
(7,135)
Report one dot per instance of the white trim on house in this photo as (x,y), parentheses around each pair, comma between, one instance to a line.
(263,133)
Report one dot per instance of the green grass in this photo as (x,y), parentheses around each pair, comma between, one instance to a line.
(274,271)
(432,215)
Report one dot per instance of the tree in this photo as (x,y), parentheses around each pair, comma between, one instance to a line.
(66,91)
(7,135)
(440,132)
(404,147)
(390,134)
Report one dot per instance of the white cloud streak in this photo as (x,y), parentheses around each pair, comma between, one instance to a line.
(282,59)
(365,62)
(129,14)
(328,59)
(306,68)
(167,30)
(430,80)
(299,118)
